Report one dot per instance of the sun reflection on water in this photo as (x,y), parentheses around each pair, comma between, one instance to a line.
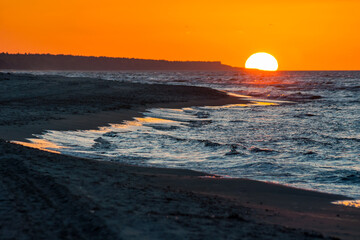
(349,203)
(40,144)
(252,103)
(153,120)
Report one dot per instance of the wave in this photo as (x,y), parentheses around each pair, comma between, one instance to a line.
(294,97)
(305,115)
(339,176)
(111,134)
(350,88)
(162,127)
(198,123)
(257,149)
(202,114)
(101,143)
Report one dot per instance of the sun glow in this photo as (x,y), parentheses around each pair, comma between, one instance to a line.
(262,61)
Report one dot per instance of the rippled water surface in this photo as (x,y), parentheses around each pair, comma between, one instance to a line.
(302,129)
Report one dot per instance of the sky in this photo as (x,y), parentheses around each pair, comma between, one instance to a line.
(301,34)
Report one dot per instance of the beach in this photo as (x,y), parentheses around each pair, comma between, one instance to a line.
(51,196)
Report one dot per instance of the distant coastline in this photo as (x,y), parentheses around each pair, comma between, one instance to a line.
(89,63)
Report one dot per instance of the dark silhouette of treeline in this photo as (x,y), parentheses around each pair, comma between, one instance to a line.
(70,62)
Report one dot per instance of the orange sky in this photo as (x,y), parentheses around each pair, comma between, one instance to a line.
(301,34)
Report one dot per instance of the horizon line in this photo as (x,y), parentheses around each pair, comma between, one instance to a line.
(154,59)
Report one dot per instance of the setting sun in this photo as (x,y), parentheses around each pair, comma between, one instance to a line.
(262,61)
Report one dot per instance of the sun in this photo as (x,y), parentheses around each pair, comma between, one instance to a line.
(262,61)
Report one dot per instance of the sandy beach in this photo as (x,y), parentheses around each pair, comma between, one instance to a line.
(50,196)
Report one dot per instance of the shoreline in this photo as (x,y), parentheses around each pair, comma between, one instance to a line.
(249,207)
(99,119)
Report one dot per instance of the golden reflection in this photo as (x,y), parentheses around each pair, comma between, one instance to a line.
(263,103)
(256,77)
(233,105)
(252,99)
(349,203)
(153,120)
(40,144)
(174,109)
(237,95)
(139,122)
(134,123)
(126,124)
(252,103)
(265,82)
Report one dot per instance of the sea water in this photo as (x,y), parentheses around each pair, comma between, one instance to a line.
(300,129)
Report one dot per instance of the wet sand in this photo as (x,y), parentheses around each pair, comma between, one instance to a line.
(51,196)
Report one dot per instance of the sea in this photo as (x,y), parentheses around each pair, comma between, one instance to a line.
(300,128)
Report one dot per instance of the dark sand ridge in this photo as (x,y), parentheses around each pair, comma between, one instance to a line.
(51,196)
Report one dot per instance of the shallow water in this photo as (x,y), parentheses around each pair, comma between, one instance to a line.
(302,129)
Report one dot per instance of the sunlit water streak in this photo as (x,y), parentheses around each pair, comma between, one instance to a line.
(305,132)
(349,203)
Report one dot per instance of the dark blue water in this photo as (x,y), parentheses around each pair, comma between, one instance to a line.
(302,129)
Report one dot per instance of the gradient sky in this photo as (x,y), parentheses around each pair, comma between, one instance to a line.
(301,34)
